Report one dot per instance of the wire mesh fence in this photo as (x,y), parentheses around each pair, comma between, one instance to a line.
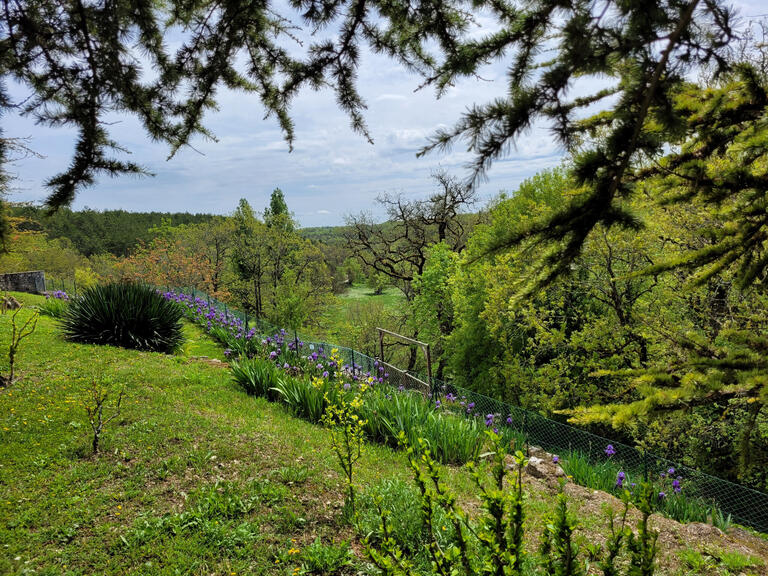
(746,506)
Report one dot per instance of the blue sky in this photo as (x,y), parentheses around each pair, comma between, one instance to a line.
(331,171)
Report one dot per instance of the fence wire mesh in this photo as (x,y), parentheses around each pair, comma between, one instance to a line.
(745,505)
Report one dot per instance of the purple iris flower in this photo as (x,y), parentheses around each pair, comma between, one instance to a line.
(610,450)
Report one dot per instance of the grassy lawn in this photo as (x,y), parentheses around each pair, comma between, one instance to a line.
(390,297)
(194,476)
(340,311)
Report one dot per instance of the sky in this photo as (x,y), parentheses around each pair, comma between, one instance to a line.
(331,172)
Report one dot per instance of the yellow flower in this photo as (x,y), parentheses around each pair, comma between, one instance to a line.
(294,551)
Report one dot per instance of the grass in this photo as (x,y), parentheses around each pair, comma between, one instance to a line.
(187,437)
(339,312)
(391,296)
(195,477)
(197,344)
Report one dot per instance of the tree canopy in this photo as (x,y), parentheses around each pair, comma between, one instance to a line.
(165,62)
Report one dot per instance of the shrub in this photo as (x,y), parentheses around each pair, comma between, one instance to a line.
(18,333)
(256,376)
(94,405)
(126,315)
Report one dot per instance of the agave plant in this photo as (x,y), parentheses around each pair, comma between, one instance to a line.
(125,315)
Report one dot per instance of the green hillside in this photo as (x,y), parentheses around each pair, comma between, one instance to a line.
(195,477)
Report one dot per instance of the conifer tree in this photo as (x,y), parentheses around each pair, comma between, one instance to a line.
(83,60)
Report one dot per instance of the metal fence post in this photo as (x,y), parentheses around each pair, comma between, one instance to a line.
(645,465)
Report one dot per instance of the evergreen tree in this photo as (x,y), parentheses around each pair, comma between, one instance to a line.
(277,213)
(84,60)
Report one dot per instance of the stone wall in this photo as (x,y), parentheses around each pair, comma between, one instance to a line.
(32,282)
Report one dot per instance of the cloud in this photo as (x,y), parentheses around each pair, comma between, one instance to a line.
(391,97)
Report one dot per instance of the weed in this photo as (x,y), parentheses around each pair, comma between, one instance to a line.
(319,558)
(294,474)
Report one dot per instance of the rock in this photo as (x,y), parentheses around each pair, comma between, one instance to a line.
(543,468)
(701,530)
(9,303)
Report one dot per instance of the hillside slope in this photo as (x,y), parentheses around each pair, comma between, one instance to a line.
(195,477)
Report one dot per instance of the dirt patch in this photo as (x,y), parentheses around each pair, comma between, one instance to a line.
(209,361)
(674,537)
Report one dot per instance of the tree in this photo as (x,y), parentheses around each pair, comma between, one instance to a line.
(398,247)
(432,306)
(83,61)
(277,214)
(249,255)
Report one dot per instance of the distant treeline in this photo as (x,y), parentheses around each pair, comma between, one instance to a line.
(101,231)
